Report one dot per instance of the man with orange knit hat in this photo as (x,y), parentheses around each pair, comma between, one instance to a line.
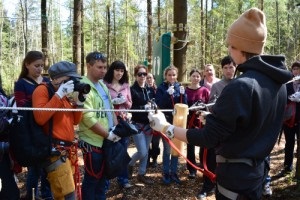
(247,116)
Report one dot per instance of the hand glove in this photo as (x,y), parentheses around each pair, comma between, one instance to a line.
(124,129)
(203,116)
(65,88)
(147,106)
(295,97)
(181,89)
(118,100)
(113,137)
(158,121)
(171,90)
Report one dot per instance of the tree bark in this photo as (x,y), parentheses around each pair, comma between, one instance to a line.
(24,24)
(82,43)
(179,52)
(149,32)
(77,34)
(108,32)
(158,17)
(44,24)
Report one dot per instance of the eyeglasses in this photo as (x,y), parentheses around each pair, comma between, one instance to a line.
(142,74)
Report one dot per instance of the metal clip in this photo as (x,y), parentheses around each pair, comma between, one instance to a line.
(63,158)
(153,105)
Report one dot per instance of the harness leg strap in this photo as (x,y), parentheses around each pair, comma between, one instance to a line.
(227,193)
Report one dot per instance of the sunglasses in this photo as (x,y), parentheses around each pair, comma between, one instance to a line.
(142,74)
(99,56)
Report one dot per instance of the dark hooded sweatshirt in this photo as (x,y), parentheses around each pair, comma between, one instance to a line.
(245,123)
(248,115)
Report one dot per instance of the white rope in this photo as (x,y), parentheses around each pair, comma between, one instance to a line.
(82,109)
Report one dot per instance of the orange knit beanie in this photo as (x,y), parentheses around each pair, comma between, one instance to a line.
(249,32)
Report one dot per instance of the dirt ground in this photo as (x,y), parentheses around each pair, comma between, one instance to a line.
(284,188)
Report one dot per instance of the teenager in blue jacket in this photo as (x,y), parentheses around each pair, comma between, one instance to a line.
(168,94)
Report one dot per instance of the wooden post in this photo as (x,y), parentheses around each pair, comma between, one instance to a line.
(181,112)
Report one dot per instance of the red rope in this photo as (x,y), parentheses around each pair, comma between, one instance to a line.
(172,98)
(77,175)
(88,160)
(205,171)
(73,157)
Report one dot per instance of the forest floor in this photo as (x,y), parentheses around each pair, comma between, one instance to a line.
(284,188)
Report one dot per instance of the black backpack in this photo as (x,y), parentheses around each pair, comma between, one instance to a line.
(115,158)
(28,143)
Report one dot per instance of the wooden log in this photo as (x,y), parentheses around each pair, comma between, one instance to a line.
(181,112)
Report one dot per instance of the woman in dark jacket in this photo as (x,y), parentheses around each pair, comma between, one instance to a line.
(141,96)
(168,94)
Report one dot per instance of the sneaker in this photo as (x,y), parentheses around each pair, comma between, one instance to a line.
(127,186)
(166,179)
(192,175)
(202,196)
(130,171)
(144,179)
(203,193)
(175,178)
(267,191)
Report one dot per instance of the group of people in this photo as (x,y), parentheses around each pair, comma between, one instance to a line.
(236,137)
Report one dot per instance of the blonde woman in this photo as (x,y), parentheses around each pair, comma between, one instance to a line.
(168,94)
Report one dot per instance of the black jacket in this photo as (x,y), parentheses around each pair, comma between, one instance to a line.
(247,117)
(140,97)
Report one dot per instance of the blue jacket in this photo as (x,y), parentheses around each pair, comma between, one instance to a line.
(166,101)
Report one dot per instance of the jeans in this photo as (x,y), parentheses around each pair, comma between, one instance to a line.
(169,165)
(123,177)
(10,190)
(33,175)
(94,188)
(142,143)
(289,134)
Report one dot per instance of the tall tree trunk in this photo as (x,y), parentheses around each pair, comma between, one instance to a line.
(261,4)
(1,47)
(114,30)
(202,38)
(24,24)
(44,24)
(277,28)
(77,33)
(82,43)
(179,52)
(108,32)
(127,34)
(158,17)
(149,32)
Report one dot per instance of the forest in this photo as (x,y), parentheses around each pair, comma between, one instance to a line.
(125,30)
